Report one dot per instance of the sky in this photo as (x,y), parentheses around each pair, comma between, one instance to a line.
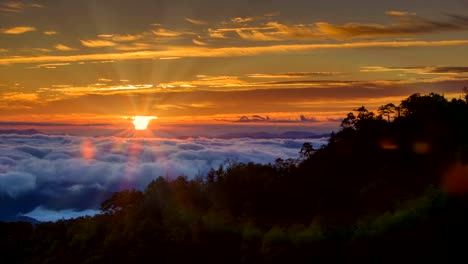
(220,62)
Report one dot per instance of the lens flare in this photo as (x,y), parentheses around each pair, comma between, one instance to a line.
(87,150)
(142,122)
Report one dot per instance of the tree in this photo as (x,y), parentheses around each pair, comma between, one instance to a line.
(306,151)
(123,200)
(349,121)
(465,93)
(387,110)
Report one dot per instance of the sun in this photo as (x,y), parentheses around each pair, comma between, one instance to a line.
(142,122)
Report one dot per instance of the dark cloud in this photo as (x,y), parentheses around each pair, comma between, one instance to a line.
(65,174)
(48,124)
(420,70)
(267,119)
(449,70)
(407,24)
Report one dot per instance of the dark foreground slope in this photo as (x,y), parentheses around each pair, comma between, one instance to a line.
(388,187)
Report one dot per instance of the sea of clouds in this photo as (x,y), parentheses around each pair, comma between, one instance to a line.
(52,177)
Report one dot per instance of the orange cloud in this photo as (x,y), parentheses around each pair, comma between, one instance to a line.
(50,33)
(196,22)
(166,33)
(17,7)
(97,43)
(451,70)
(49,65)
(242,19)
(18,30)
(407,24)
(62,47)
(199,43)
(230,51)
(122,38)
(290,75)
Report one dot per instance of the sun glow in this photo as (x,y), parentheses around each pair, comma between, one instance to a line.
(142,122)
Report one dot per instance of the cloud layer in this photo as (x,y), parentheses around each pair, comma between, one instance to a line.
(67,174)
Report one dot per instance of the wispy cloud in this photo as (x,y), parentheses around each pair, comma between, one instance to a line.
(196,21)
(242,19)
(133,46)
(97,43)
(19,96)
(407,24)
(198,42)
(166,33)
(290,75)
(50,33)
(419,70)
(62,47)
(18,30)
(49,65)
(17,6)
(121,38)
(227,51)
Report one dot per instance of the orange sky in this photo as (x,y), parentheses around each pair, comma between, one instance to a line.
(97,62)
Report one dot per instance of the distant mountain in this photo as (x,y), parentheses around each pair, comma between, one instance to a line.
(266,135)
(20,219)
(21,132)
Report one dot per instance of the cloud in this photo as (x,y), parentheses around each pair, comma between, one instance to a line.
(196,22)
(49,65)
(19,96)
(18,30)
(122,38)
(62,47)
(295,31)
(216,34)
(166,33)
(230,51)
(407,24)
(17,6)
(290,75)
(242,19)
(198,42)
(48,124)
(15,183)
(134,46)
(254,35)
(450,70)
(65,174)
(97,43)
(267,119)
(50,33)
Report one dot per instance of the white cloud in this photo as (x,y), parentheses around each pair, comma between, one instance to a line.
(67,175)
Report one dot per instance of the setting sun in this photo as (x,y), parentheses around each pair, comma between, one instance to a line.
(142,122)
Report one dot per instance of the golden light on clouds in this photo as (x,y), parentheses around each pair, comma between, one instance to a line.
(62,47)
(18,30)
(97,43)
